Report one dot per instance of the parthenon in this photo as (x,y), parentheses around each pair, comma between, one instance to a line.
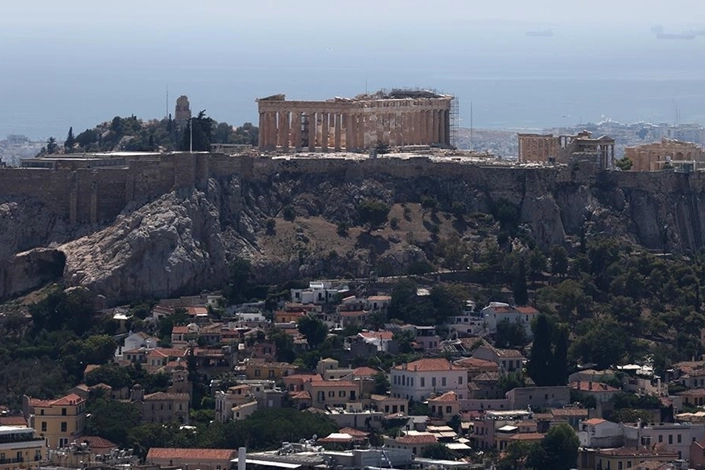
(397,118)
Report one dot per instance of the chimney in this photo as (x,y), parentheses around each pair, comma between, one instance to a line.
(241,458)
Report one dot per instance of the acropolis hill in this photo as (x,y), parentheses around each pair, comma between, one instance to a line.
(136,225)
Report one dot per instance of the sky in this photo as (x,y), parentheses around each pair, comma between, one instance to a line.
(78,62)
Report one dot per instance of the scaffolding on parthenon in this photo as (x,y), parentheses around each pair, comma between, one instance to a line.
(454,121)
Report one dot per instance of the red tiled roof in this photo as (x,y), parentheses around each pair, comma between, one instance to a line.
(69,400)
(167,396)
(695,392)
(592,387)
(594,421)
(428,365)
(333,383)
(365,372)
(13,421)
(302,395)
(384,335)
(96,442)
(179,330)
(197,310)
(417,439)
(527,310)
(474,362)
(353,432)
(379,298)
(190,454)
(447,397)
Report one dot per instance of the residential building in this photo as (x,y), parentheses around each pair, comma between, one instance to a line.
(162,407)
(598,432)
(140,340)
(332,393)
(389,405)
(423,378)
(476,366)
(379,339)
(204,459)
(624,458)
(508,360)
(58,421)
(20,448)
(318,292)
(258,370)
(426,337)
(600,391)
(571,415)
(378,302)
(497,312)
(693,397)
(234,397)
(697,455)
(414,442)
(674,437)
(444,406)
(538,397)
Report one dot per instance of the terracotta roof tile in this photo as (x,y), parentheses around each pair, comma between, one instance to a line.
(428,365)
(417,439)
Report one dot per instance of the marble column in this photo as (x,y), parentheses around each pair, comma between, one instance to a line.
(325,131)
(442,127)
(296,130)
(348,124)
(446,119)
(284,130)
(312,125)
(361,131)
(262,131)
(338,129)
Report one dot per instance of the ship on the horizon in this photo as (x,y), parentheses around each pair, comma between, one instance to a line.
(540,33)
(685,35)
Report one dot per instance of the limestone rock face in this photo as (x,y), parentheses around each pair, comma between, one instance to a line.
(171,246)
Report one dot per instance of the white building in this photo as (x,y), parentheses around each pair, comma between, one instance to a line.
(598,432)
(676,437)
(318,292)
(425,378)
(497,312)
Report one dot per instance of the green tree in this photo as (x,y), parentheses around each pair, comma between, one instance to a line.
(198,133)
(382,384)
(70,141)
(559,260)
(112,420)
(373,213)
(510,335)
(313,329)
(52,146)
(558,450)
(548,364)
(240,274)
(624,164)
(515,455)
(438,451)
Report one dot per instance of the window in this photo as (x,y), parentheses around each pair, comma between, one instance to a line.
(670,438)
(460,380)
(443,381)
(41,412)
(63,426)
(63,411)
(44,426)
(271,374)
(257,372)
(341,393)
(660,437)
(423,381)
(433,381)
(449,409)
(678,438)
(331,393)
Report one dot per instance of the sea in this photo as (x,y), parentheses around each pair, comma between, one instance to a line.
(502,78)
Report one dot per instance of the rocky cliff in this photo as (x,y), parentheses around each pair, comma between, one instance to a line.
(182,242)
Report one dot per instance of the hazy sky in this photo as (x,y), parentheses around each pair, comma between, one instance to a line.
(87,15)
(79,62)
